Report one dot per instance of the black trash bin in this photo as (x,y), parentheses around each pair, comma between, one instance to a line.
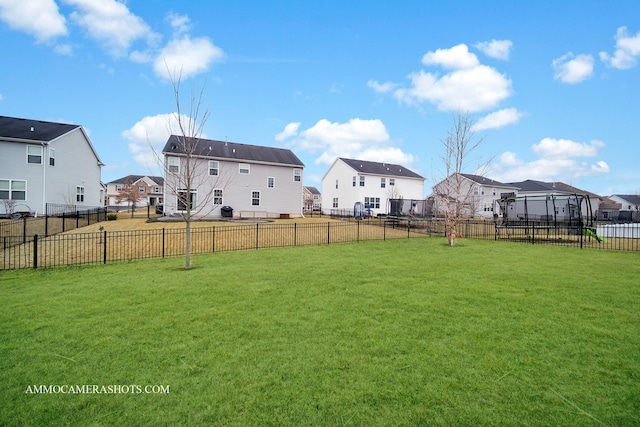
(226,211)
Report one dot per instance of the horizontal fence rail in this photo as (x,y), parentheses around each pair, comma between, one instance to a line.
(39,251)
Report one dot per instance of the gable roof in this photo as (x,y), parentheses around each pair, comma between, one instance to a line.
(531,185)
(483,180)
(37,131)
(634,199)
(234,151)
(312,190)
(158,180)
(375,168)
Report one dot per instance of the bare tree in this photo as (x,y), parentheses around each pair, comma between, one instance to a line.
(130,194)
(454,194)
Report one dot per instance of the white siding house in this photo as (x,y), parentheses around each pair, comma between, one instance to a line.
(46,162)
(349,181)
(254,181)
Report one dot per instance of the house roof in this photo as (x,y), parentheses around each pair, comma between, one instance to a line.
(375,168)
(634,199)
(158,180)
(483,180)
(312,190)
(37,131)
(554,187)
(209,148)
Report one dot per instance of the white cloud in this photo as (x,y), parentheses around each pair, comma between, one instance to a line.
(357,139)
(476,89)
(111,23)
(498,49)
(39,18)
(505,117)
(187,57)
(289,130)
(457,57)
(179,23)
(573,69)
(151,134)
(558,160)
(627,50)
(381,87)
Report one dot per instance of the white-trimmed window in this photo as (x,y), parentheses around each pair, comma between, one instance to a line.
(336,184)
(217,196)
(476,191)
(383,182)
(214,167)
(80,194)
(13,189)
(297,175)
(361,180)
(174,164)
(392,181)
(354,181)
(142,189)
(373,202)
(156,189)
(244,168)
(52,156)
(335,202)
(271,182)
(255,198)
(118,187)
(182,200)
(34,154)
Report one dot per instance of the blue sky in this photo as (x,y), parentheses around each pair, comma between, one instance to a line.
(553,86)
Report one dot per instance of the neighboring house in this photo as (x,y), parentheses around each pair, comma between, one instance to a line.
(252,180)
(478,194)
(349,181)
(629,206)
(311,199)
(589,207)
(46,162)
(151,189)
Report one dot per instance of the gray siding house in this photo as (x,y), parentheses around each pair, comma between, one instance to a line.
(252,180)
(46,162)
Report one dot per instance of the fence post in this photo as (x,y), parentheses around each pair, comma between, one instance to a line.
(162,242)
(213,239)
(104,243)
(384,230)
(35,251)
(295,232)
(408,229)
(257,226)
(328,233)
(24,229)
(46,222)
(358,237)
(77,218)
(533,233)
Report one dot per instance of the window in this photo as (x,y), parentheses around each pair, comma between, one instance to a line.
(361,181)
(336,184)
(142,189)
(52,156)
(354,181)
(488,207)
(271,182)
(34,154)
(80,194)
(11,189)
(383,182)
(493,191)
(217,196)
(174,164)
(118,187)
(244,168)
(297,175)
(482,190)
(213,168)
(255,198)
(182,200)
(372,202)
(156,189)
(475,191)
(335,202)
(392,181)
(315,197)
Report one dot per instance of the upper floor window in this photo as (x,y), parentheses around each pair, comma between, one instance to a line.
(354,181)
(476,191)
(244,168)
(361,180)
(493,191)
(174,164)
(11,189)
(392,181)
(271,182)
(142,189)
(34,154)
(297,175)
(156,189)
(336,184)
(79,194)
(118,187)
(214,167)
(383,182)
(52,156)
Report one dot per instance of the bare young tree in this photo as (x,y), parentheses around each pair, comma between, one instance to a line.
(129,194)
(453,193)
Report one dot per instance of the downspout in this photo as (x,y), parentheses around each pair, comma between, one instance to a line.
(45,155)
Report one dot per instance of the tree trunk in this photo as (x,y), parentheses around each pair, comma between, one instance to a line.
(187,249)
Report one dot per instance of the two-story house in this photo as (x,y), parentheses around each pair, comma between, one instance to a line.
(149,188)
(629,206)
(250,180)
(46,162)
(349,181)
(589,205)
(311,199)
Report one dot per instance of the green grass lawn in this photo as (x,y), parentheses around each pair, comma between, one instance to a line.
(405,332)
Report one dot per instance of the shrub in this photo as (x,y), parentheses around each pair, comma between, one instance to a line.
(112,216)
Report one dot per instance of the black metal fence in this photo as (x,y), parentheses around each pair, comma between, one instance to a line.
(110,246)
(58,219)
